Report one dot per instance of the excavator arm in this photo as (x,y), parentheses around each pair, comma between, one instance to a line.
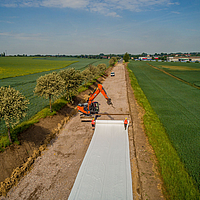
(96,92)
(92,107)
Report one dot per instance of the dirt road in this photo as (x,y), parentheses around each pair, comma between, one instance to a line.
(54,172)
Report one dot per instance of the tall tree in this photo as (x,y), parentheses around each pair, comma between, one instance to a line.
(94,70)
(73,79)
(13,106)
(111,62)
(126,57)
(87,75)
(102,67)
(50,86)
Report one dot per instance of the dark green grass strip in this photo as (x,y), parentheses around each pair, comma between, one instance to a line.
(177,182)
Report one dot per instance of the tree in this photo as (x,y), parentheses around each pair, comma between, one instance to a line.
(87,75)
(13,106)
(73,79)
(102,67)
(111,62)
(3,54)
(126,57)
(50,86)
(114,58)
(94,70)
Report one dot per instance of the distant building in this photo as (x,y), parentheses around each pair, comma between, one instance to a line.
(145,58)
(182,59)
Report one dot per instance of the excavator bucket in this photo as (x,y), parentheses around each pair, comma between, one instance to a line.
(109,101)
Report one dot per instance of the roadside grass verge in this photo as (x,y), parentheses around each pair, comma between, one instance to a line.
(178,184)
(56,106)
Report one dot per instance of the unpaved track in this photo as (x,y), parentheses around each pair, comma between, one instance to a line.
(54,172)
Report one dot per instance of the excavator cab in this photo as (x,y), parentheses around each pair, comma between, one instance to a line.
(94,108)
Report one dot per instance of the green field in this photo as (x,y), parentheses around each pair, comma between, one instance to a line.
(189,72)
(19,66)
(26,84)
(177,106)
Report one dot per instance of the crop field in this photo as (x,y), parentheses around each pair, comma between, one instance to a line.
(26,84)
(176,104)
(189,72)
(19,66)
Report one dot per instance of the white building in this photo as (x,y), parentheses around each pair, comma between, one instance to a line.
(179,59)
(145,58)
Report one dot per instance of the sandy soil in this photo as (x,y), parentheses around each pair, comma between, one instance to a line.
(54,172)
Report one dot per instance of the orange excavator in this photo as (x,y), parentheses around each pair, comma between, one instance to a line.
(92,107)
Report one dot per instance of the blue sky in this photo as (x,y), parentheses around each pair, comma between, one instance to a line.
(103,26)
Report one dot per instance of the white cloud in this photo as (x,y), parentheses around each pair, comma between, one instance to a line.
(9,5)
(105,7)
(65,3)
(174,3)
(8,22)
(175,12)
(45,3)
(112,14)
(23,36)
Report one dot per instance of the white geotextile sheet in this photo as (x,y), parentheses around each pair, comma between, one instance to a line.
(105,171)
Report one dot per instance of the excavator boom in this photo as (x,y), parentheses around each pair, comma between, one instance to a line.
(92,107)
(96,92)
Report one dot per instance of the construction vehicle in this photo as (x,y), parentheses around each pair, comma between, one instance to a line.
(92,107)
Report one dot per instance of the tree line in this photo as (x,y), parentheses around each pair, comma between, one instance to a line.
(13,104)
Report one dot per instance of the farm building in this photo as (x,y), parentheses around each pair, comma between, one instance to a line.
(145,58)
(179,59)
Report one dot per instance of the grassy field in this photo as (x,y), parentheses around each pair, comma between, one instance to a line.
(26,84)
(189,72)
(20,66)
(177,107)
